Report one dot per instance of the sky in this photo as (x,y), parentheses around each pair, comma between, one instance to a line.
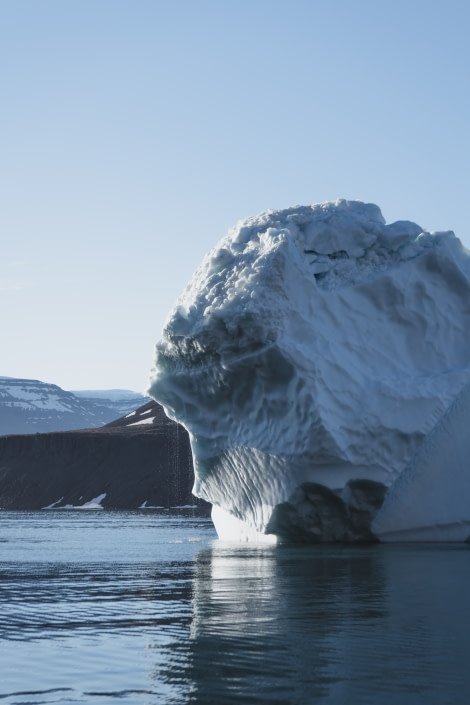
(135,133)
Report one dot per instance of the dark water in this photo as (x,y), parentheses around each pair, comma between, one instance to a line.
(144,607)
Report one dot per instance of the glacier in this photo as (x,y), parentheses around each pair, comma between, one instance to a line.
(320,361)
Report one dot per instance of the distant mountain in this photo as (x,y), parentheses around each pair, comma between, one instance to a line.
(117,401)
(31,406)
(140,461)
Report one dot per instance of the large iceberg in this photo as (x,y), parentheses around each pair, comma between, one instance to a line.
(320,359)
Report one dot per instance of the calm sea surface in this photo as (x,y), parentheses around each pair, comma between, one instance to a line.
(146,607)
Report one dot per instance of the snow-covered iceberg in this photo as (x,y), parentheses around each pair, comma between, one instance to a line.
(318,347)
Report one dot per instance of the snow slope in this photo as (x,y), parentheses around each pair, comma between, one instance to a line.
(316,344)
(31,406)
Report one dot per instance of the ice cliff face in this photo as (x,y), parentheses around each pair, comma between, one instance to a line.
(315,345)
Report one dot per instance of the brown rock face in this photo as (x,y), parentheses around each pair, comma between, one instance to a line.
(142,459)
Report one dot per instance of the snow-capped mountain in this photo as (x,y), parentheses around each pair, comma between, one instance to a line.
(31,406)
(119,401)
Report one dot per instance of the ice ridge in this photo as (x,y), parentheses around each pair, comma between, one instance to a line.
(315,344)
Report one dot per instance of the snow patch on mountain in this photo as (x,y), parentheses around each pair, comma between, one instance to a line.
(32,406)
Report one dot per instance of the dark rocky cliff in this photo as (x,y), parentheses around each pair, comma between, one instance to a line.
(142,459)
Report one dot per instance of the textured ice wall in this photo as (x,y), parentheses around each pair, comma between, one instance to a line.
(431,498)
(314,344)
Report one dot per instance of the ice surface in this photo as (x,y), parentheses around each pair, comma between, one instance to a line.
(319,344)
(430,499)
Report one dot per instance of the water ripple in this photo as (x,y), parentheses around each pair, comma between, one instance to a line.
(168,616)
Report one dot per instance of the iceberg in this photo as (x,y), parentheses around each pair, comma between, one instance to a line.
(320,361)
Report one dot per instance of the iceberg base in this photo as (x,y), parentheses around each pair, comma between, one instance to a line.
(440,533)
(230,528)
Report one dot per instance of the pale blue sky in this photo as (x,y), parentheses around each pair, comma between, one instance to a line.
(134,133)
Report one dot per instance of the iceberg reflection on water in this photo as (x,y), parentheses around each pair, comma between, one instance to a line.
(146,608)
(329,625)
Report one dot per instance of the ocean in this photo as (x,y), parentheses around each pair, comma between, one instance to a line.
(150,608)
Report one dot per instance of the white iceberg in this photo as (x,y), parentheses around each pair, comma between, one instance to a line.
(320,345)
